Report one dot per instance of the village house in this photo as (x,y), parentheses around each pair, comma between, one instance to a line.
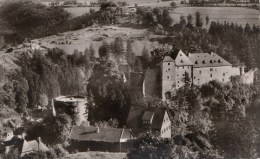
(20,147)
(144,119)
(6,133)
(100,139)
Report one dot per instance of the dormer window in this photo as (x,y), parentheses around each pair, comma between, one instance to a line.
(147,117)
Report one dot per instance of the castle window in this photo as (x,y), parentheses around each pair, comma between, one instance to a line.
(211,69)
(188,66)
(194,77)
(224,74)
(169,63)
(210,75)
(200,72)
(181,61)
(169,69)
(178,81)
(204,61)
(211,61)
(168,77)
(219,61)
(196,62)
(183,67)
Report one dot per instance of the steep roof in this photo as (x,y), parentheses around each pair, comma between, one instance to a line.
(38,146)
(5,129)
(208,60)
(179,58)
(104,135)
(134,119)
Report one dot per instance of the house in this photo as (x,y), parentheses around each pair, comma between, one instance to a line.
(210,66)
(143,119)
(100,139)
(20,147)
(15,123)
(6,133)
(74,106)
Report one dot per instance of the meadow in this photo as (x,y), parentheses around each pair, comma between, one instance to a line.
(237,15)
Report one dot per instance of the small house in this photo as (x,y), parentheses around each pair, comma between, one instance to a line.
(100,139)
(144,119)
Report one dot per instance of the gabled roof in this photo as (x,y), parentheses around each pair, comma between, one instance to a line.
(208,60)
(134,119)
(83,133)
(5,129)
(38,146)
(179,58)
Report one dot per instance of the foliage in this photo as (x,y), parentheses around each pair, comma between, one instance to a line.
(199,22)
(52,130)
(109,93)
(30,19)
(104,50)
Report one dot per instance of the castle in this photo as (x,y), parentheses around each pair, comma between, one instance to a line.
(198,68)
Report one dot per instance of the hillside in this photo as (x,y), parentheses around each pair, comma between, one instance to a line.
(81,39)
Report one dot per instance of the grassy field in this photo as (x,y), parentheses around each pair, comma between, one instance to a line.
(241,16)
(96,155)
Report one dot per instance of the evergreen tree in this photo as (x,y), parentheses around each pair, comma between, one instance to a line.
(199,22)
(130,54)
(92,53)
(207,20)
(183,21)
(190,21)
(117,47)
(104,50)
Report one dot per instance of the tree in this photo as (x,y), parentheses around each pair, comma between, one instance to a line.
(199,22)
(92,53)
(183,21)
(145,53)
(189,21)
(173,4)
(130,54)
(117,47)
(207,20)
(151,146)
(43,100)
(187,80)
(104,50)
(110,95)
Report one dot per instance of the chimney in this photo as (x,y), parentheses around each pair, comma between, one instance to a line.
(97,130)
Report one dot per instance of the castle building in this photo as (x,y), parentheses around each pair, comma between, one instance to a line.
(208,67)
(199,68)
(174,68)
(74,106)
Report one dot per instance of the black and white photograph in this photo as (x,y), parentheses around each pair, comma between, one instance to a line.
(129,79)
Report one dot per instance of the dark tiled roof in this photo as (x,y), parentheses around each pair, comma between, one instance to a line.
(105,134)
(134,119)
(148,115)
(179,58)
(208,60)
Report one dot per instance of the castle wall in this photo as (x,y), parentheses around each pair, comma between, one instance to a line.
(203,75)
(168,77)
